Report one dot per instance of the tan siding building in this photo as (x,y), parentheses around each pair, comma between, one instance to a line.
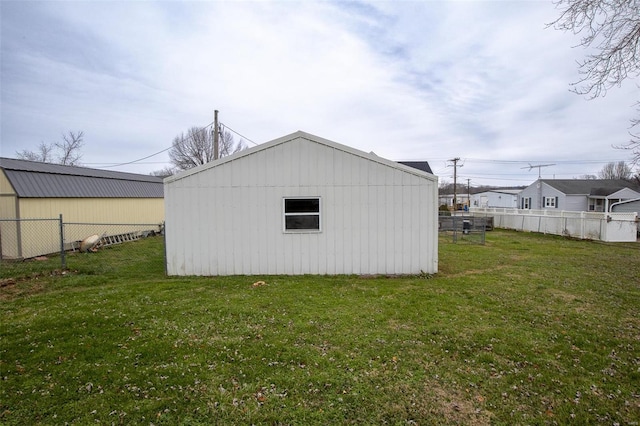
(33,190)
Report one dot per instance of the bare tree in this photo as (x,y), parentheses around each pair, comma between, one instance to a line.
(619,170)
(588,177)
(228,146)
(192,149)
(196,147)
(634,144)
(69,150)
(44,153)
(164,172)
(611,28)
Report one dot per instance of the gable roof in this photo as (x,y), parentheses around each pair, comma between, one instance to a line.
(507,191)
(420,165)
(595,187)
(311,138)
(32,179)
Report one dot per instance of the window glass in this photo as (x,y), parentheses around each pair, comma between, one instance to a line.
(302,205)
(302,214)
(302,222)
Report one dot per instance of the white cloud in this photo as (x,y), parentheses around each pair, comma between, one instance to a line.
(408,80)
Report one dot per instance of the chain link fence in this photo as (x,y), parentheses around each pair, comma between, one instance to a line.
(29,238)
(464,228)
(22,239)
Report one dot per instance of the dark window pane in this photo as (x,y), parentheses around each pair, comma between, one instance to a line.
(302,205)
(302,222)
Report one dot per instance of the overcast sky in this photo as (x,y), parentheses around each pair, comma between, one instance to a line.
(484,81)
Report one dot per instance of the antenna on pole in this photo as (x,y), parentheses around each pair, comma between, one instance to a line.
(537,166)
(216,145)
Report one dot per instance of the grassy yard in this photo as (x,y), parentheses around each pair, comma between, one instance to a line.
(527,329)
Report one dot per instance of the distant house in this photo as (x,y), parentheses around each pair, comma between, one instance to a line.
(34,190)
(447,200)
(589,195)
(501,198)
(301,204)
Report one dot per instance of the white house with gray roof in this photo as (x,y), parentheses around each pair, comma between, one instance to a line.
(587,195)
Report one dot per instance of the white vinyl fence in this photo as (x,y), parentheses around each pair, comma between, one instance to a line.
(610,227)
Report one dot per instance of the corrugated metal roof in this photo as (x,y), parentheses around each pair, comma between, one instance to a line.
(32,179)
(589,186)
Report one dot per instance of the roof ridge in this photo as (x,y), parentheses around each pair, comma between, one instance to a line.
(71,170)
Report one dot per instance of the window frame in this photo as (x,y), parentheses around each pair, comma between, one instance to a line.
(286,214)
(550,202)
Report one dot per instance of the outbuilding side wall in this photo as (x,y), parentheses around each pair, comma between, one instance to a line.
(95,210)
(228,219)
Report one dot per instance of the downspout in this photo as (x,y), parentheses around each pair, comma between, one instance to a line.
(621,202)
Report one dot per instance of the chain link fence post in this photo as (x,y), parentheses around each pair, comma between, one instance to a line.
(63,258)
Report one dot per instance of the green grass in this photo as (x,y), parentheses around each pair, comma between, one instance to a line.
(527,329)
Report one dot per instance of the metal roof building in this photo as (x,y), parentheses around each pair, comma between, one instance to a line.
(301,204)
(33,190)
(31,179)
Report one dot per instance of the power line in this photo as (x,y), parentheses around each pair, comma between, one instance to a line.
(243,137)
(138,160)
(185,140)
(494,161)
(157,153)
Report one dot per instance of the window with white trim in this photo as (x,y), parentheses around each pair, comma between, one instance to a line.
(550,202)
(301,214)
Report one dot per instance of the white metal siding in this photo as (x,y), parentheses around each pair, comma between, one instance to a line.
(494,199)
(227,219)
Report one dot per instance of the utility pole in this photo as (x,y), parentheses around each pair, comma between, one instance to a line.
(215,135)
(469,192)
(455,181)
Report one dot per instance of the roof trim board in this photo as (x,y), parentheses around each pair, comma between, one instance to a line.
(311,138)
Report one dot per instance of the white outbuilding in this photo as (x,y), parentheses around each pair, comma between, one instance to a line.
(301,204)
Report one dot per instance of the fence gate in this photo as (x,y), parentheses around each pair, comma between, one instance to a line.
(469,229)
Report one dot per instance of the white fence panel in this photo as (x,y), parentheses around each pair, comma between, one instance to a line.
(610,227)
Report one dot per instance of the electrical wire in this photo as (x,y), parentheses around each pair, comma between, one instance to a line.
(493,161)
(157,153)
(243,137)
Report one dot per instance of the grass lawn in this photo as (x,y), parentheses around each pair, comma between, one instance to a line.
(527,329)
